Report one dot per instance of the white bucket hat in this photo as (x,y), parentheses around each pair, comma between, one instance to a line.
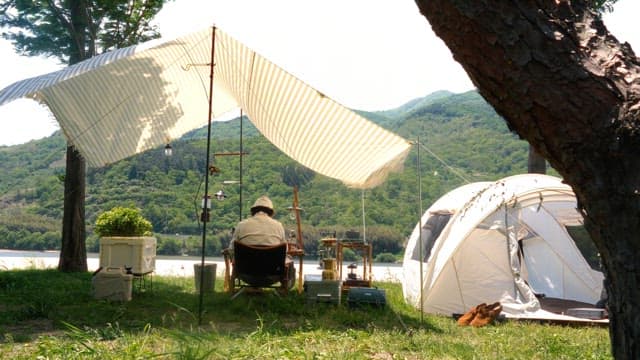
(263,201)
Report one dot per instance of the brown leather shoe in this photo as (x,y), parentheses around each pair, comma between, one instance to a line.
(482,318)
(466,319)
(494,310)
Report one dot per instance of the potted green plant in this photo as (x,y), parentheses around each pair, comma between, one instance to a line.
(125,240)
(122,221)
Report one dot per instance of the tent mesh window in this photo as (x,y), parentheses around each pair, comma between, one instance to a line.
(430,232)
(584,243)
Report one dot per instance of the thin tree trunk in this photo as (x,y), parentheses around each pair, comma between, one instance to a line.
(568,87)
(73,253)
(536,163)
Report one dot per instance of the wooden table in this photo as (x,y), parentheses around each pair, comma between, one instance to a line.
(366,251)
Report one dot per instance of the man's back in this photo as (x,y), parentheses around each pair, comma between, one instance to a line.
(259,229)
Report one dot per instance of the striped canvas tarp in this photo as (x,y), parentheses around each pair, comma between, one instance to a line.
(130,100)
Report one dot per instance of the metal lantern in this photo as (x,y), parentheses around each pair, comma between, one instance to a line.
(205,216)
(220,195)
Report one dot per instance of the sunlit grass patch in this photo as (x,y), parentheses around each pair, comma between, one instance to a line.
(52,315)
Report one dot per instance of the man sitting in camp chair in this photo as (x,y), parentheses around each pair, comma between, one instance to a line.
(261,230)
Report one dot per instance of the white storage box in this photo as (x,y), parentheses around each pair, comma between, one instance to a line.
(137,253)
(112,284)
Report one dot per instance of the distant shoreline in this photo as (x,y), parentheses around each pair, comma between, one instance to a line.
(181,266)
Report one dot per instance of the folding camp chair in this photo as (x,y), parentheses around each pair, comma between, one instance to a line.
(261,267)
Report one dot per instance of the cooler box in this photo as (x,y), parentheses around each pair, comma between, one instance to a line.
(137,253)
(112,284)
(318,290)
(366,296)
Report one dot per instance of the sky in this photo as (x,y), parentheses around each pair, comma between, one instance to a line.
(365,54)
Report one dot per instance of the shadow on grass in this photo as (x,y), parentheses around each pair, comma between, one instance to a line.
(37,302)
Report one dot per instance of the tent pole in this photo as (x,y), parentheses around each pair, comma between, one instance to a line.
(206,173)
(241,168)
(508,241)
(364,222)
(419,171)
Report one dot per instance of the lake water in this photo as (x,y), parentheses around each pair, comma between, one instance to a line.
(175,265)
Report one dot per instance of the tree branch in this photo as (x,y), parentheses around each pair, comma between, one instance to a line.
(60,16)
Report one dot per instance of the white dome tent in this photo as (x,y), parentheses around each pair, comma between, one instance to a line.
(506,241)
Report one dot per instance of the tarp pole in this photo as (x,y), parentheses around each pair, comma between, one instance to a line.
(206,174)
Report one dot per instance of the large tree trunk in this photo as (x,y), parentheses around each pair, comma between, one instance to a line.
(73,253)
(564,84)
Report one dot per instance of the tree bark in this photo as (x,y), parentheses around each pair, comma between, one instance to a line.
(73,252)
(552,70)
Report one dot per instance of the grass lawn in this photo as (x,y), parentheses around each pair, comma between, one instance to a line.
(45,314)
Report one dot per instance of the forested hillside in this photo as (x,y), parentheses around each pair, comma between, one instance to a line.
(463,140)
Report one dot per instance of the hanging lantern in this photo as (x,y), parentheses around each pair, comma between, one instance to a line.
(205,216)
(220,195)
(206,202)
(168,150)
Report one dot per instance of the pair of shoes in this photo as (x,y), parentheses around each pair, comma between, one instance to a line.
(481,315)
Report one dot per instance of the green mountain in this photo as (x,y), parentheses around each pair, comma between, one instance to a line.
(461,140)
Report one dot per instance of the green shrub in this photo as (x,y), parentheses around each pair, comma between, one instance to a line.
(122,221)
(350,255)
(169,246)
(385,258)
